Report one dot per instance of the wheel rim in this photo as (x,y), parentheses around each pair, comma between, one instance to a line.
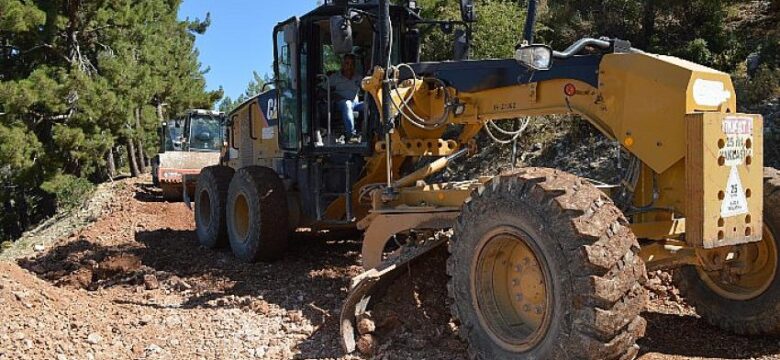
(241,217)
(758,270)
(204,208)
(510,290)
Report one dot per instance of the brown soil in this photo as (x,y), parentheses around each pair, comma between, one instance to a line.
(135,284)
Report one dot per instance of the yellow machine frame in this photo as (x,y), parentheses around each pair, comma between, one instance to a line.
(678,137)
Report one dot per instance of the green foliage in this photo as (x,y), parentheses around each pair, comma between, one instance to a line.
(763,84)
(497,31)
(227,104)
(330,61)
(697,51)
(80,80)
(70,191)
(18,150)
(254,87)
(18,16)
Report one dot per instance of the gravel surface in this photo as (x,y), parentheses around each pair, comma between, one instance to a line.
(135,285)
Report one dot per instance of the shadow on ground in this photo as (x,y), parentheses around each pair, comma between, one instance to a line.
(148,193)
(692,336)
(312,278)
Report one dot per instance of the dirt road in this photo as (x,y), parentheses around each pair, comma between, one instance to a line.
(136,285)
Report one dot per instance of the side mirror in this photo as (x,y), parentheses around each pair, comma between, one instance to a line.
(341,34)
(467,12)
(536,57)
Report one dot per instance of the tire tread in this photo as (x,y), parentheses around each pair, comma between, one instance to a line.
(600,247)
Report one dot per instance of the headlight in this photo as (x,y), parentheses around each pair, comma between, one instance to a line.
(537,57)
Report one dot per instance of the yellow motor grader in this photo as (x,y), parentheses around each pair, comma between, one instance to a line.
(543,264)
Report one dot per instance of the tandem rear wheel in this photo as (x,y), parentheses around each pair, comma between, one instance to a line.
(257,216)
(544,266)
(210,203)
(743,298)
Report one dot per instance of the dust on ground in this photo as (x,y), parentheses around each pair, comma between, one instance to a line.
(136,285)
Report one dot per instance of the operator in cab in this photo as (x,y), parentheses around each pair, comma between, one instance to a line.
(346,85)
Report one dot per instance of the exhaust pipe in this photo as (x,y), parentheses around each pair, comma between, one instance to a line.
(530,21)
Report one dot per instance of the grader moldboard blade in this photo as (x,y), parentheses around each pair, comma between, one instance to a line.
(373,281)
(185,179)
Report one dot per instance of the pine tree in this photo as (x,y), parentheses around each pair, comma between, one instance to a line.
(80,79)
(253,88)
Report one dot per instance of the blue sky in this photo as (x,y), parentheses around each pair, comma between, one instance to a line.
(239,39)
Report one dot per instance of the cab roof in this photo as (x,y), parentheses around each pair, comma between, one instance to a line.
(330,9)
(203,112)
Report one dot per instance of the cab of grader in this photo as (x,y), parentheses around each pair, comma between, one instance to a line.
(543,264)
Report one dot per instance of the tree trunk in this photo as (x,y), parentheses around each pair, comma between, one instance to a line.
(648,24)
(141,157)
(140,149)
(110,164)
(131,158)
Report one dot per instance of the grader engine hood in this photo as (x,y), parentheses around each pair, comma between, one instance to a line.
(254,131)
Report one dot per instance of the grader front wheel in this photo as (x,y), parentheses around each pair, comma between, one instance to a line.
(544,266)
(743,297)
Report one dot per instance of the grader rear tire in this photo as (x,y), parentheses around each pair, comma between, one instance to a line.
(210,202)
(749,304)
(258,225)
(544,266)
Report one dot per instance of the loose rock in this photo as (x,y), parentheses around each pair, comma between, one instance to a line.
(366,326)
(150,282)
(366,344)
(94,339)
